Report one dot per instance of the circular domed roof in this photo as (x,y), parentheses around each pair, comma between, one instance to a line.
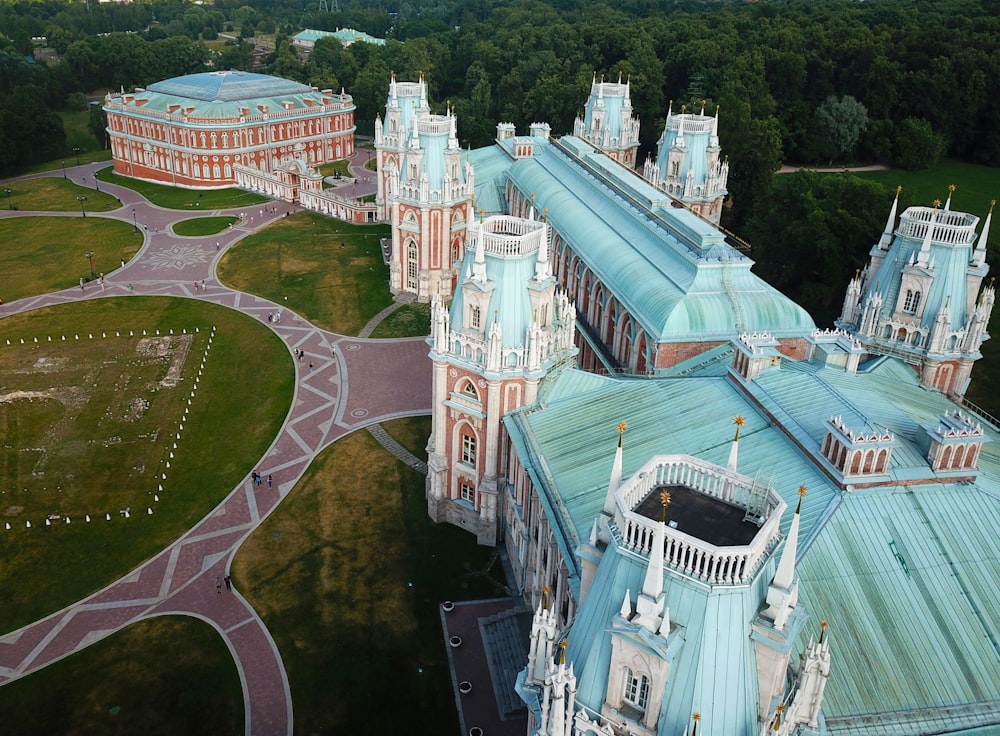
(227,86)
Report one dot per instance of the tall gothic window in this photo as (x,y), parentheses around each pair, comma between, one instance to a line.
(468,449)
(912,301)
(475,318)
(411,266)
(637,690)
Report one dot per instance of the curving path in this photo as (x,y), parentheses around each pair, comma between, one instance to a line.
(354,383)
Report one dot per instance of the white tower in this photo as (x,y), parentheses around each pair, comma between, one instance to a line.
(507,328)
(922,297)
(688,163)
(424,191)
(607,121)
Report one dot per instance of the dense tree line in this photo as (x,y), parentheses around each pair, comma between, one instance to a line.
(919,67)
(800,81)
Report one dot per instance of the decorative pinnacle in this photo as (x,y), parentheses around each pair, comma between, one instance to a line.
(622,427)
(802,493)
(545,597)
(562,654)
(899,188)
(696,716)
(739,421)
(664,502)
(936,203)
(993,203)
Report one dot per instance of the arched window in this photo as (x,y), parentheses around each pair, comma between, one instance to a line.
(468,449)
(411,266)
(911,302)
(470,390)
(637,690)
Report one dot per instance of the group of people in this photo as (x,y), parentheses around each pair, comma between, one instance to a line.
(257,480)
(274,316)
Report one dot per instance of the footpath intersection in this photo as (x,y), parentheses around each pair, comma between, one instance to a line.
(354,386)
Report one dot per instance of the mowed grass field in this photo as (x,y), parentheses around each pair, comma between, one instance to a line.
(328,271)
(203,226)
(50,252)
(348,574)
(87,427)
(159,677)
(175,198)
(55,194)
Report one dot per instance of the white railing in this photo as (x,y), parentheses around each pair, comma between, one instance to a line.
(955,228)
(683,553)
(503,235)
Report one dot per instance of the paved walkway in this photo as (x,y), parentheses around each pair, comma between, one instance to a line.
(354,383)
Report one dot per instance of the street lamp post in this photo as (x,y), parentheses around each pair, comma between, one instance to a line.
(10,202)
(83,209)
(64,168)
(90,258)
(135,223)
(76,150)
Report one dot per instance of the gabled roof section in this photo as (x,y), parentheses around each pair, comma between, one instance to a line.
(673,271)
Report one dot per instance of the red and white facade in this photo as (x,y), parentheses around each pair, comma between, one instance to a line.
(194,131)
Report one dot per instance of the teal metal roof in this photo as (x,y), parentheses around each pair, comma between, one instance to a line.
(907,574)
(950,271)
(228,86)
(612,102)
(697,138)
(346,36)
(225,96)
(673,271)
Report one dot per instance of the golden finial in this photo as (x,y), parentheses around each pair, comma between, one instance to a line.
(993,203)
(822,631)
(936,203)
(739,421)
(952,188)
(777,716)
(664,502)
(622,427)
(683,109)
(695,717)
(562,654)
(802,493)
(899,188)
(545,597)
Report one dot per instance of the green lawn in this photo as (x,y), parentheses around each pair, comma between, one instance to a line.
(329,271)
(55,194)
(160,677)
(350,570)
(199,226)
(410,320)
(975,186)
(93,437)
(46,254)
(176,198)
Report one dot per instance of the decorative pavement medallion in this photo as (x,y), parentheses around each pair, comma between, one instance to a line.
(177,257)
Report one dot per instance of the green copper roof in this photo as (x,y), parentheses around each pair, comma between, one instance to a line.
(227,86)
(906,574)
(674,272)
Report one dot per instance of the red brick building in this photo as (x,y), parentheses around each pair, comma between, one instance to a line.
(192,131)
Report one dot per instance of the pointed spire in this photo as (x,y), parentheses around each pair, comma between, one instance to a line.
(715,128)
(951,191)
(923,258)
(786,566)
(739,421)
(479,264)
(392,90)
(616,474)
(890,223)
(652,585)
(695,717)
(979,257)
(626,609)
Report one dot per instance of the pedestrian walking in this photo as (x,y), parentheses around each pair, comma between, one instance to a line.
(218,585)
(310,367)
(269,481)
(217,242)
(81,284)
(131,288)
(259,481)
(270,317)
(229,582)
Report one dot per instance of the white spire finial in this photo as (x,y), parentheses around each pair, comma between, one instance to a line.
(979,257)
(616,474)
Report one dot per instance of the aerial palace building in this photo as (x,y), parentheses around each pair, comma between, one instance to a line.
(200,130)
(827,565)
